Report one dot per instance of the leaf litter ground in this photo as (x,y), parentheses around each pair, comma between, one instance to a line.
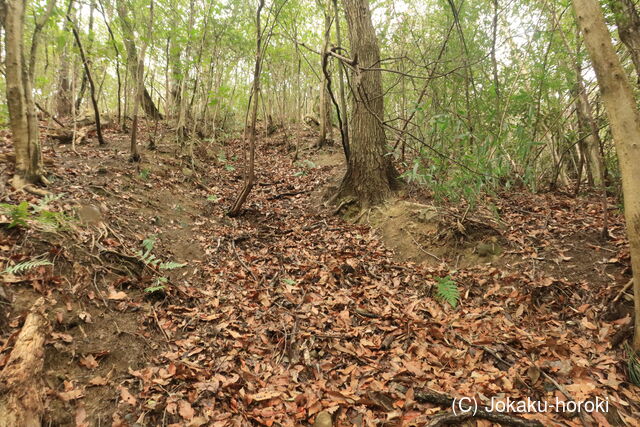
(289,310)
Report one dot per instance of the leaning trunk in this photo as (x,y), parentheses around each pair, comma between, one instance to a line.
(625,125)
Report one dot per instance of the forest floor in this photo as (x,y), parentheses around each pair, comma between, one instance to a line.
(290,309)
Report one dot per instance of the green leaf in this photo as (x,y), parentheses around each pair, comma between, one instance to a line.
(171,265)
(26,265)
(447,291)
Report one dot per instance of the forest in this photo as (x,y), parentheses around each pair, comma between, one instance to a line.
(319,213)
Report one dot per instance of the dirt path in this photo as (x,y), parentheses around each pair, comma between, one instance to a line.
(289,310)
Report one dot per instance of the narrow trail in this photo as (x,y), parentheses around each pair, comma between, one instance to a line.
(287,310)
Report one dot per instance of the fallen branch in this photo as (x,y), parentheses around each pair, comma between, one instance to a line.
(283,195)
(21,388)
(622,291)
(48,114)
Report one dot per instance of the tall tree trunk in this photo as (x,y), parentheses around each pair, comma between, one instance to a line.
(326,129)
(625,125)
(628,23)
(494,59)
(174,62)
(117,51)
(370,176)
(589,131)
(63,94)
(181,128)
(249,167)
(22,114)
(138,78)
(343,98)
(87,71)
(133,62)
(83,84)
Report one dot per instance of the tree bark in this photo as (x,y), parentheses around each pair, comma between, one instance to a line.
(343,98)
(249,169)
(370,176)
(21,399)
(628,23)
(63,94)
(326,128)
(87,71)
(133,61)
(181,127)
(138,78)
(22,115)
(625,126)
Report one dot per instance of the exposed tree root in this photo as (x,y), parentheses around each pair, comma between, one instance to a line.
(19,183)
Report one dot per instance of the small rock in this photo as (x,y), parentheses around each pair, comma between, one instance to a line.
(323,419)
(187,172)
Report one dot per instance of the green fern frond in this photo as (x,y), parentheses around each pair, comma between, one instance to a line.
(158,285)
(19,214)
(26,265)
(447,291)
(633,366)
(171,265)
(149,243)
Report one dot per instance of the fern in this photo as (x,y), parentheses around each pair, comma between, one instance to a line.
(25,211)
(158,285)
(19,214)
(150,259)
(447,291)
(170,265)
(26,265)
(633,366)
(149,243)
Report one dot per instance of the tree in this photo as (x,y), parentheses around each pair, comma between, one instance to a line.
(249,171)
(87,73)
(625,126)
(370,176)
(628,23)
(138,77)
(134,59)
(22,114)
(326,128)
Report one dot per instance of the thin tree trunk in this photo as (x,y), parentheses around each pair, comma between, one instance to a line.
(138,78)
(628,23)
(117,51)
(249,169)
(343,98)
(92,89)
(625,125)
(181,128)
(83,84)
(494,59)
(325,102)
(63,94)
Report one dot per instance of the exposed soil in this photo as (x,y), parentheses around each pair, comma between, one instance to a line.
(290,309)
